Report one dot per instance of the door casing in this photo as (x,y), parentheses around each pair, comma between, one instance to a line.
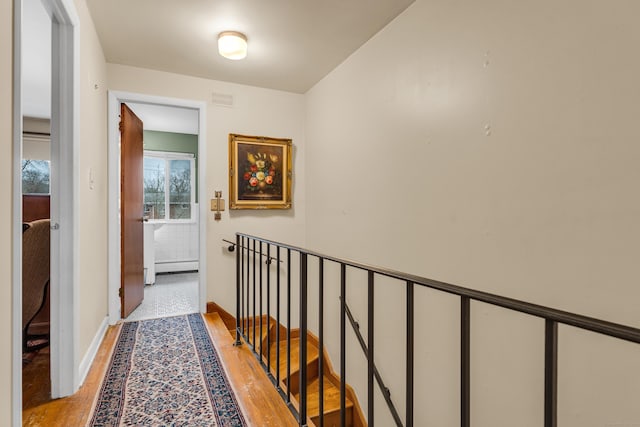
(115,99)
(65,131)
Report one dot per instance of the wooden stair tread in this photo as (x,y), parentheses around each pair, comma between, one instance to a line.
(331,392)
(331,397)
(265,331)
(218,327)
(261,403)
(312,354)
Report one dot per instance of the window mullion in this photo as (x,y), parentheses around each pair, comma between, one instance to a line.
(167,191)
(192,186)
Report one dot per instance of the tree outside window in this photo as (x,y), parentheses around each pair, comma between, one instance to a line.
(36,176)
(154,181)
(180,189)
(170,171)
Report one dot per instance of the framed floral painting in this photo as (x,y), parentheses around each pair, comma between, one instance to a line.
(259,172)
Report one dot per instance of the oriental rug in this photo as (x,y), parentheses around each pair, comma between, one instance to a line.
(166,372)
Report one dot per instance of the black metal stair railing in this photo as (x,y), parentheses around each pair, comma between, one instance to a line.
(250,280)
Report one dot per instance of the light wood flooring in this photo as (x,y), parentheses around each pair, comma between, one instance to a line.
(260,402)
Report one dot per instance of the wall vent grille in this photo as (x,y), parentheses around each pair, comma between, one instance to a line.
(222,99)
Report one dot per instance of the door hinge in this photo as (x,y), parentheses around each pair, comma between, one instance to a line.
(120,292)
(121,126)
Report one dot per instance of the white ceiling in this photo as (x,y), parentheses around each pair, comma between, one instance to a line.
(166,119)
(292,43)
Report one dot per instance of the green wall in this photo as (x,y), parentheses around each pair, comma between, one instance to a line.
(174,143)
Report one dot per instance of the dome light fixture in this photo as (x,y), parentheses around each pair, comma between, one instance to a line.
(232,45)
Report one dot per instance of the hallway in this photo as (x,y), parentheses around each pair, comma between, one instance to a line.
(172,295)
(258,399)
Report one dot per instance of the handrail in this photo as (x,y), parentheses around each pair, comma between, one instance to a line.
(616,330)
(248,287)
(232,247)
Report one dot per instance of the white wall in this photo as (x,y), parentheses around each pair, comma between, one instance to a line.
(92,198)
(92,228)
(176,243)
(6,206)
(493,145)
(255,111)
(38,147)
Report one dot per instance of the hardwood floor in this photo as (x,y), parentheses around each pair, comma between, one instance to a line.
(36,380)
(40,410)
(260,402)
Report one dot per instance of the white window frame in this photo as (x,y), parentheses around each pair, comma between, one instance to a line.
(167,156)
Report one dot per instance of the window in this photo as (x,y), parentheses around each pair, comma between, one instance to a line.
(169,185)
(36,175)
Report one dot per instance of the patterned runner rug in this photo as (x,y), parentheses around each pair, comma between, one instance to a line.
(166,372)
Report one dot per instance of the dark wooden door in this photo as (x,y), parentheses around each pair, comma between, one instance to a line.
(131,211)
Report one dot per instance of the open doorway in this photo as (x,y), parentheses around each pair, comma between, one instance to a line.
(45,33)
(170,211)
(175,270)
(36,204)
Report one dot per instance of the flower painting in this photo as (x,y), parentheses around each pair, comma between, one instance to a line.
(259,172)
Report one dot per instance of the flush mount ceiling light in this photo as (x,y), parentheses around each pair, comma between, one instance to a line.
(232,45)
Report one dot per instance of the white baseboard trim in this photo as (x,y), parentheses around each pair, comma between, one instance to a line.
(87,360)
(171,266)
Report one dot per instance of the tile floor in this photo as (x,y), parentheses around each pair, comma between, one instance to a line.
(171,295)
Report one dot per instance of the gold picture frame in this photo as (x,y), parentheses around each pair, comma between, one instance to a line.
(259,172)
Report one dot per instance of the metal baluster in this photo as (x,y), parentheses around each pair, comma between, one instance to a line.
(303,339)
(248,293)
(260,335)
(343,346)
(321,340)
(551,374)
(253,322)
(465,361)
(370,341)
(409,377)
(288,325)
(278,318)
(241,252)
(268,307)
(238,292)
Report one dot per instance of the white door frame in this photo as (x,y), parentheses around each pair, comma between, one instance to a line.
(65,126)
(115,99)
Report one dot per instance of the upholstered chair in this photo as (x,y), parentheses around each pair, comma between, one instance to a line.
(35,283)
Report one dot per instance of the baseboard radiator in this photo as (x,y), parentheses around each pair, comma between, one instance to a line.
(176,266)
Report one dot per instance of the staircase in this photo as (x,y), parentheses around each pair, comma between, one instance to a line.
(268,271)
(331,381)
